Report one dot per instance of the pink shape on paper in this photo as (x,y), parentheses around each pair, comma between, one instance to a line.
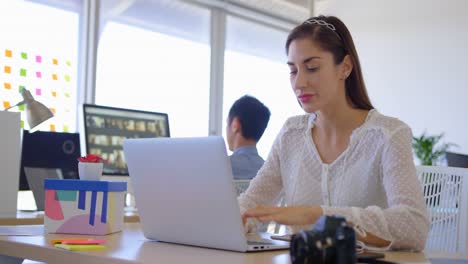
(38,59)
(53,209)
(38,74)
(79,224)
(38,91)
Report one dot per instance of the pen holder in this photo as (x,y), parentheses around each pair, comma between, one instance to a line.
(83,207)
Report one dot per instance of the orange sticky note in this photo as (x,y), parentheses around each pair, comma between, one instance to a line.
(54,94)
(6,104)
(54,76)
(8,53)
(55,61)
(7,69)
(7,85)
(59,240)
(52,127)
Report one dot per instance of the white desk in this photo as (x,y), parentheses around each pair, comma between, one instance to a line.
(130,246)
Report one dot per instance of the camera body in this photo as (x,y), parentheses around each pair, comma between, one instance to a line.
(331,241)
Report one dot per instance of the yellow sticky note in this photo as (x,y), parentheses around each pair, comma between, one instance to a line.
(54,94)
(54,76)
(6,104)
(52,110)
(7,69)
(80,247)
(7,85)
(8,53)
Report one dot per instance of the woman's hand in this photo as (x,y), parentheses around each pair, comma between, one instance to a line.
(288,215)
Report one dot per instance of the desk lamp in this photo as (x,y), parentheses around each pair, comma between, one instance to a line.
(36,112)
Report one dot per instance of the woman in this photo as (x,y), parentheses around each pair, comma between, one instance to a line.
(342,157)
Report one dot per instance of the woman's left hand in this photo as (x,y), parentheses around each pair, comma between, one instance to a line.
(288,215)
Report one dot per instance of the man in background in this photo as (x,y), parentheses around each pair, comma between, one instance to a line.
(247,120)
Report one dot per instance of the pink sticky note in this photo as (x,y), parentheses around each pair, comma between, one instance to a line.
(38,59)
(38,91)
(38,74)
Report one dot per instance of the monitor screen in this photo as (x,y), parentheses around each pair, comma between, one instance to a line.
(456,159)
(49,150)
(106,128)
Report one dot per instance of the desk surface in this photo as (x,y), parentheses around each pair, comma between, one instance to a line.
(37,218)
(130,246)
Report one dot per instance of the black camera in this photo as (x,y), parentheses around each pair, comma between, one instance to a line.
(331,241)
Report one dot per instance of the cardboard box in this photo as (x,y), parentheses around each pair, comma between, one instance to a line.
(84,207)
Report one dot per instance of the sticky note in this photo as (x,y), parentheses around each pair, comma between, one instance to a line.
(38,91)
(21,88)
(52,127)
(24,55)
(80,247)
(67,78)
(55,61)
(21,107)
(8,53)
(6,104)
(7,85)
(54,76)
(38,59)
(22,124)
(7,69)
(59,240)
(23,72)
(84,242)
(38,74)
(65,128)
(52,110)
(67,95)
(54,93)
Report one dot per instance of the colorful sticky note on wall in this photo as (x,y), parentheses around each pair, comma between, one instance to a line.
(67,78)
(22,124)
(54,76)
(23,72)
(65,128)
(38,74)
(54,93)
(6,104)
(7,85)
(68,63)
(52,110)
(55,61)
(21,107)
(38,59)
(24,55)
(38,91)
(21,88)
(67,95)
(52,127)
(7,69)
(8,53)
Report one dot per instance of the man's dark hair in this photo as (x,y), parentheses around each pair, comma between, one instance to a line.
(253,116)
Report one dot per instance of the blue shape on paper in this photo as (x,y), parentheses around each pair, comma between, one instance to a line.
(104,208)
(69,196)
(82,200)
(92,210)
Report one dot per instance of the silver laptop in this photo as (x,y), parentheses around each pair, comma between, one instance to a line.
(184,193)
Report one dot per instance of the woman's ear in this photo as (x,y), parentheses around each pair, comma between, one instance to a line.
(346,67)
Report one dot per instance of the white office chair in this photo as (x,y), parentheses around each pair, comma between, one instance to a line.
(446,194)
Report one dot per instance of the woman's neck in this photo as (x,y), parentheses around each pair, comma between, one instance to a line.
(340,119)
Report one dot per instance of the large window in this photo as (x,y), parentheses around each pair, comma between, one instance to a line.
(255,64)
(155,56)
(38,52)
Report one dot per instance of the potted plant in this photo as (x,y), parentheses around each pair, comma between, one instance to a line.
(429,150)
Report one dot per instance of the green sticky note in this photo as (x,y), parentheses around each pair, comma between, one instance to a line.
(68,63)
(24,55)
(22,124)
(67,95)
(21,88)
(23,72)
(66,195)
(67,78)
(65,128)
(21,107)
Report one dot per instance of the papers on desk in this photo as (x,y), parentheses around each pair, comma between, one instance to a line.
(22,230)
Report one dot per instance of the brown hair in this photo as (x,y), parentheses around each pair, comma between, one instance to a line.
(332,35)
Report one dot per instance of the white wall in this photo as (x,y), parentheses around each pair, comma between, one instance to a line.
(414,54)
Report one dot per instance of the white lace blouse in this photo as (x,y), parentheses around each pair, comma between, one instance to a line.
(373,183)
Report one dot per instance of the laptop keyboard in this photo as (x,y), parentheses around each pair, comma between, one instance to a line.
(259,241)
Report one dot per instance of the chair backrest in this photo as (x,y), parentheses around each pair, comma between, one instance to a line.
(241,186)
(445,190)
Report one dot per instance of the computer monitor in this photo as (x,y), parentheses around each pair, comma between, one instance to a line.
(106,127)
(50,150)
(456,159)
